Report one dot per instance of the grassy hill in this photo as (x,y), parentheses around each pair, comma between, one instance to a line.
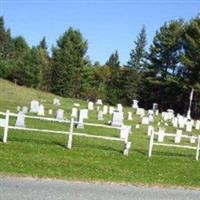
(45,155)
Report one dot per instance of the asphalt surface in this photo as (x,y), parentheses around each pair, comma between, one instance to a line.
(13,188)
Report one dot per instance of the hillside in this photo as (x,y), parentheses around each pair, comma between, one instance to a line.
(45,154)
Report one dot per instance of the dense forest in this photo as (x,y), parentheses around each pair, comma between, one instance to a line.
(164,73)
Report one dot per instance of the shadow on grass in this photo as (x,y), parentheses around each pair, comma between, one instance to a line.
(63,145)
(173,154)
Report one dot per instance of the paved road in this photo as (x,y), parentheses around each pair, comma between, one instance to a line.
(12,188)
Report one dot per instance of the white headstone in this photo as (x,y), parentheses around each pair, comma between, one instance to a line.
(76,104)
(90,105)
(20,122)
(145,120)
(192,139)
(50,111)
(18,108)
(99,102)
(80,119)
(25,109)
(175,122)
(137,126)
(56,102)
(84,113)
(161,134)
(151,118)
(124,132)
(150,130)
(178,136)
(2,122)
(105,109)
(117,119)
(100,115)
(111,110)
(140,111)
(197,125)
(41,110)
(155,107)
(60,114)
(130,117)
(189,126)
(119,107)
(74,112)
(34,106)
(135,104)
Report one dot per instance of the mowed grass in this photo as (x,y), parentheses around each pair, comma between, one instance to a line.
(46,155)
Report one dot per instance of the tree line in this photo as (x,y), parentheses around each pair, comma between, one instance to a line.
(163,73)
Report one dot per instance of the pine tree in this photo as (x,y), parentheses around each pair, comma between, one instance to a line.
(68,60)
(138,55)
(113,60)
(165,52)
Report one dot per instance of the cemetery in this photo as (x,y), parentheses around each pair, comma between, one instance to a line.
(90,140)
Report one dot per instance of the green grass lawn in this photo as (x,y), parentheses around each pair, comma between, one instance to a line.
(45,154)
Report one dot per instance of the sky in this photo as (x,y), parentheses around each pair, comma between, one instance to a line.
(108,25)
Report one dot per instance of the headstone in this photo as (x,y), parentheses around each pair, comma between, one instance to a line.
(74,112)
(25,109)
(41,110)
(2,122)
(130,117)
(175,122)
(192,139)
(135,104)
(117,119)
(150,130)
(18,108)
(145,120)
(157,112)
(181,121)
(100,115)
(150,112)
(34,106)
(137,126)
(178,136)
(105,109)
(98,108)
(189,126)
(140,111)
(20,122)
(99,102)
(56,102)
(80,119)
(85,113)
(60,114)
(50,111)
(119,107)
(111,110)
(155,107)
(161,134)
(76,104)
(124,132)
(90,105)
(151,118)
(197,125)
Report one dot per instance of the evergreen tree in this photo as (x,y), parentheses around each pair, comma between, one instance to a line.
(165,52)
(45,74)
(138,55)
(191,62)
(68,60)
(113,60)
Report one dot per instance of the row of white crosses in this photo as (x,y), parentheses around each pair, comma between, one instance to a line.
(161,134)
